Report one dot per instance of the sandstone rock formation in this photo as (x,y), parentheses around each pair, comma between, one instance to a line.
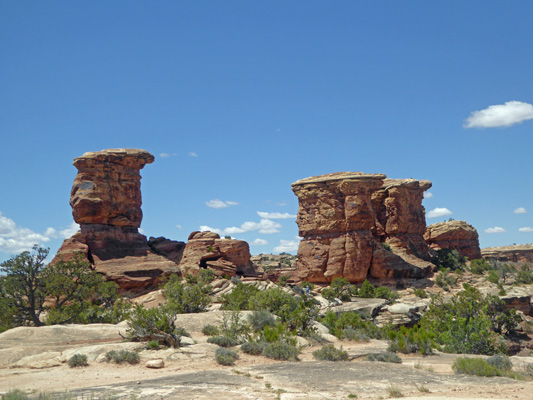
(106,202)
(519,253)
(344,217)
(224,256)
(454,235)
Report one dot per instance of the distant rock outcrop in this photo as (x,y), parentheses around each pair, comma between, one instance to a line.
(344,217)
(518,253)
(106,202)
(454,235)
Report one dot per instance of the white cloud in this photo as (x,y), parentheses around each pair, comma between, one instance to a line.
(520,210)
(217,203)
(275,215)
(510,113)
(525,229)
(265,226)
(193,154)
(287,246)
(164,155)
(438,212)
(68,232)
(281,204)
(428,195)
(496,229)
(179,227)
(260,242)
(14,239)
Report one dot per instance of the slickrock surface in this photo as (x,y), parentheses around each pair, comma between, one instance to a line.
(520,253)
(106,202)
(454,235)
(344,217)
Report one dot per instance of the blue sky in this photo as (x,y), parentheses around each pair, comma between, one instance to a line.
(238,99)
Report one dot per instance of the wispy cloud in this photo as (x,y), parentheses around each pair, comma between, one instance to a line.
(217,203)
(496,229)
(428,195)
(287,246)
(15,239)
(193,154)
(525,229)
(264,226)
(500,115)
(275,215)
(71,230)
(164,155)
(520,210)
(260,242)
(438,212)
(179,227)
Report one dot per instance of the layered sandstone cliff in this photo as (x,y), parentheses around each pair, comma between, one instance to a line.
(518,253)
(345,217)
(454,235)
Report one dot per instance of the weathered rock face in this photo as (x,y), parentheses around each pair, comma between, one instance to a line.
(224,256)
(107,189)
(343,217)
(454,235)
(106,202)
(519,253)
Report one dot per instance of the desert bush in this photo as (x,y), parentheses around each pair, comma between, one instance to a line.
(157,324)
(261,318)
(210,330)
(475,366)
(283,279)
(337,323)
(253,348)
(152,345)
(411,340)
(342,288)
(77,360)
(525,274)
(366,290)
(444,279)
(448,259)
(383,292)
(239,297)
(122,357)
(15,394)
(356,335)
(479,267)
(328,294)
(330,353)
(500,361)
(386,246)
(384,357)
(306,284)
(234,326)
(421,293)
(468,322)
(223,341)
(186,298)
(226,356)
(394,391)
(281,350)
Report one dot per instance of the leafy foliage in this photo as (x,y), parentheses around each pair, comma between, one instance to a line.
(525,274)
(239,298)
(479,267)
(253,348)
(77,360)
(186,298)
(411,340)
(281,350)
(449,259)
(342,324)
(468,322)
(122,357)
(226,356)
(444,279)
(223,341)
(210,330)
(157,324)
(330,353)
(475,366)
(261,318)
(384,357)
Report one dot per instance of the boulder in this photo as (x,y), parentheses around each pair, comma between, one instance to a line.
(157,363)
(454,235)
(344,217)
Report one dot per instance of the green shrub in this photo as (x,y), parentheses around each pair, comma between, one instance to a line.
(479,267)
(261,318)
(449,259)
(210,330)
(145,325)
(283,279)
(384,357)
(226,356)
(411,340)
(122,357)
(525,274)
(366,290)
(500,361)
(15,394)
(386,246)
(253,348)
(475,366)
(421,293)
(234,326)
(78,360)
(383,292)
(186,298)
(338,323)
(330,353)
(356,335)
(223,341)
(328,294)
(306,284)
(342,288)
(281,350)
(152,345)
(239,297)
(445,280)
